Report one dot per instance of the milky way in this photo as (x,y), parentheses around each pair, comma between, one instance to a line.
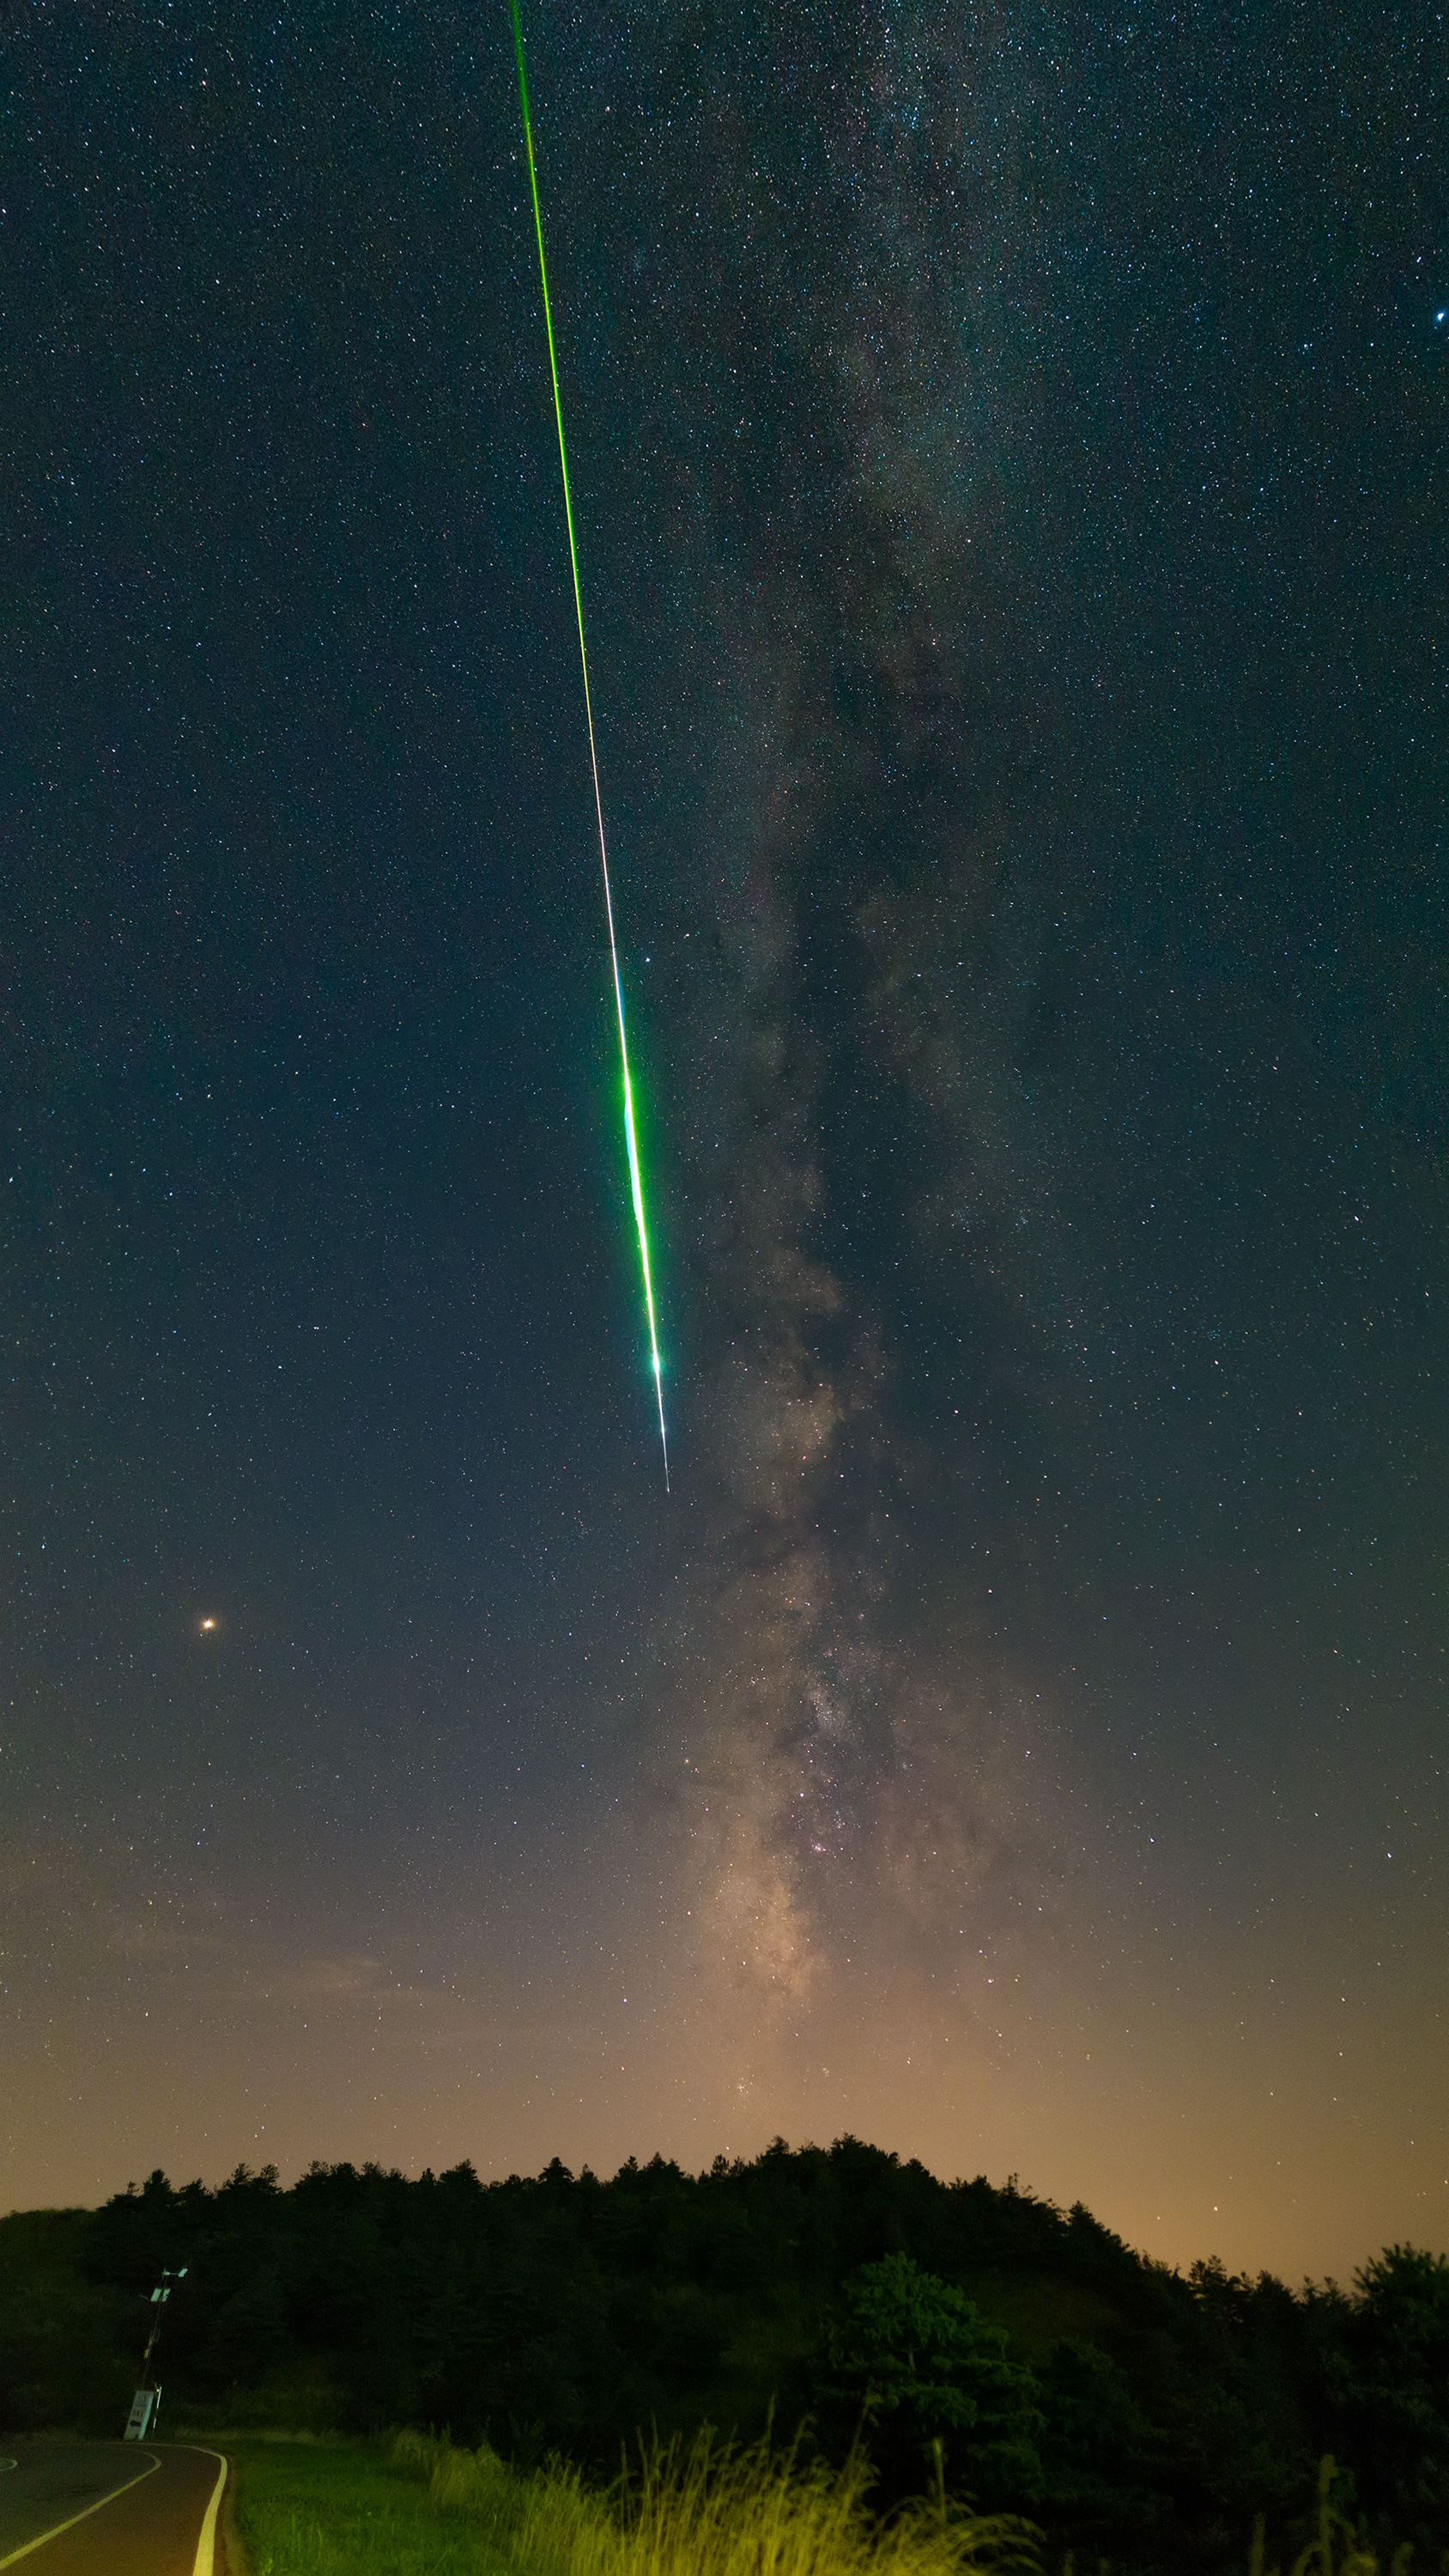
(1004,453)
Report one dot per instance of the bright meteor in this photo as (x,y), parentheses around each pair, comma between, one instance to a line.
(635,1184)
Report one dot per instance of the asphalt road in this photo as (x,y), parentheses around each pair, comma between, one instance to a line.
(107,2508)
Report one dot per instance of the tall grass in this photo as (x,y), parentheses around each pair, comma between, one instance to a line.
(1337,2549)
(710,2509)
(697,2509)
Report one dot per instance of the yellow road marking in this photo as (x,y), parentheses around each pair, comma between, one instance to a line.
(206,2545)
(84,2515)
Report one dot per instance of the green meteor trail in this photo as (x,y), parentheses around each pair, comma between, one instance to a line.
(630,1139)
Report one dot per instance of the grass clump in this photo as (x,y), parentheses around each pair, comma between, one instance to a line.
(710,2509)
(347,2509)
(1338,2548)
(423,2507)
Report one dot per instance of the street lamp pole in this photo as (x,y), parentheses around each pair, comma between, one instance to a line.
(146,2404)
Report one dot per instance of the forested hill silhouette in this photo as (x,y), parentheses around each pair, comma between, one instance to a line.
(1127,2408)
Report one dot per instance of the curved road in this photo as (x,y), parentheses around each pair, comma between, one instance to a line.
(108,2508)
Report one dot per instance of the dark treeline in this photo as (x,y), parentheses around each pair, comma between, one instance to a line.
(1131,2412)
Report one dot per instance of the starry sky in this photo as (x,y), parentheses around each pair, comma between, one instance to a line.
(1008,453)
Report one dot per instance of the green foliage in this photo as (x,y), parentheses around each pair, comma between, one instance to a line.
(68,2349)
(562,2314)
(704,2508)
(1389,2392)
(682,2509)
(344,2509)
(926,2370)
(1339,2546)
(1100,2455)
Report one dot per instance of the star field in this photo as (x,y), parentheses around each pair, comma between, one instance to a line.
(1007,454)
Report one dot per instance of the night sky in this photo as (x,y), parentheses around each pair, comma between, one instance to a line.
(1009,462)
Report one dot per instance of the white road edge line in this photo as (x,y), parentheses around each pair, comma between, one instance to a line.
(69,2524)
(206,2545)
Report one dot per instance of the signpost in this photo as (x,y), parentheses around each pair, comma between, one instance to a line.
(143,2406)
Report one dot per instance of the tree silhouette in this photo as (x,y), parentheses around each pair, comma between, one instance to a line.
(927,2367)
